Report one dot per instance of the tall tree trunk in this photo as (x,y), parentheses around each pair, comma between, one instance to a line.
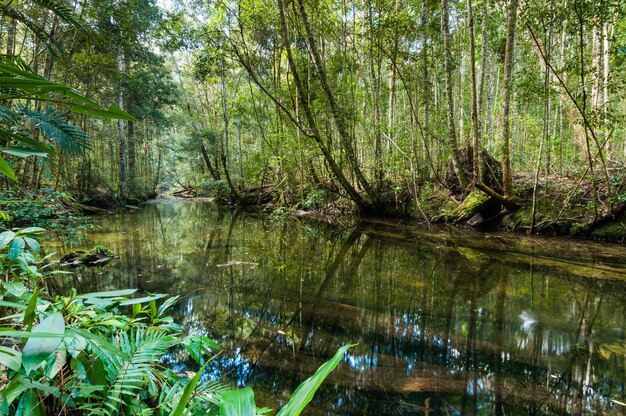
(477,158)
(452,139)
(47,72)
(375,74)
(224,143)
(11,33)
(425,82)
(123,185)
(132,166)
(596,67)
(483,70)
(509,52)
(336,112)
(304,101)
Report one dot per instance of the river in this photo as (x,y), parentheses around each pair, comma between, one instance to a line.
(447,321)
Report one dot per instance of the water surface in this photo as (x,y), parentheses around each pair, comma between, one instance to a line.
(447,321)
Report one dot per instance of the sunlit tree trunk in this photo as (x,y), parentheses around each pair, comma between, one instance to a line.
(506,100)
(336,112)
(476,142)
(452,138)
(121,127)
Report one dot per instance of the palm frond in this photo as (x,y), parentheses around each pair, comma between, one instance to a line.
(51,44)
(64,13)
(53,125)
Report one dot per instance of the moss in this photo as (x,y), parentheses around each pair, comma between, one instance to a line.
(471,205)
(98,255)
(614,231)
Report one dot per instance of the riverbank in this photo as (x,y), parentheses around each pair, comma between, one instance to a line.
(557,206)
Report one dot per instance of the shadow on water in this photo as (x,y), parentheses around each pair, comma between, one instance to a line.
(446,322)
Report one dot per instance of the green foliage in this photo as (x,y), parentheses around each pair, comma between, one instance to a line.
(46,208)
(19,82)
(101,353)
(97,353)
(315,198)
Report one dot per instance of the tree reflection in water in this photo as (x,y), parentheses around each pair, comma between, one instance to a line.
(447,322)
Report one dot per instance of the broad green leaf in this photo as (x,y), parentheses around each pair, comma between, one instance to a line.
(37,350)
(94,368)
(31,230)
(238,403)
(16,248)
(112,112)
(5,238)
(99,341)
(33,244)
(11,391)
(6,170)
(141,300)
(22,153)
(30,405)
(13,305)
(16,289)
(183,400)
(305,391)
(109,294)
(10,358)
(29,313)
(10,333)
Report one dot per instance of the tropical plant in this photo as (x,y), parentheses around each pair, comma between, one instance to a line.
(102,353)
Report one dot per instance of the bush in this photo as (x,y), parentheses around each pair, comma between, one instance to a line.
(315,198)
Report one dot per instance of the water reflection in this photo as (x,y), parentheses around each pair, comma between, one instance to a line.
(447,322)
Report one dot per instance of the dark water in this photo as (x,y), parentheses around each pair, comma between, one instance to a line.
(447,322)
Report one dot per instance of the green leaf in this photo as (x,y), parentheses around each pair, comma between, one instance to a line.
(10,333)
(305,391)
(22,152)
(238,403)
(141,300)
(31,230)
(16,248)
(183,400)
(37,350)
(33,244)
(112,112)
(29,405)
(109,294)
(94,368)
(5,238)
(6,170)
(29,313)
(10,358)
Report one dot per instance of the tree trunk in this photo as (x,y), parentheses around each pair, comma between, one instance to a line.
(303,99)
(224,143)
(477,158)
(132,166)
(123,188)
(507,179)
(452,139)
(336,112)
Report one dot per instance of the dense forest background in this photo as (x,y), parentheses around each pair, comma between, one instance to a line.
(376,105)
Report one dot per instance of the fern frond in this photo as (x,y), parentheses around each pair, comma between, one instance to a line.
(141,350)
